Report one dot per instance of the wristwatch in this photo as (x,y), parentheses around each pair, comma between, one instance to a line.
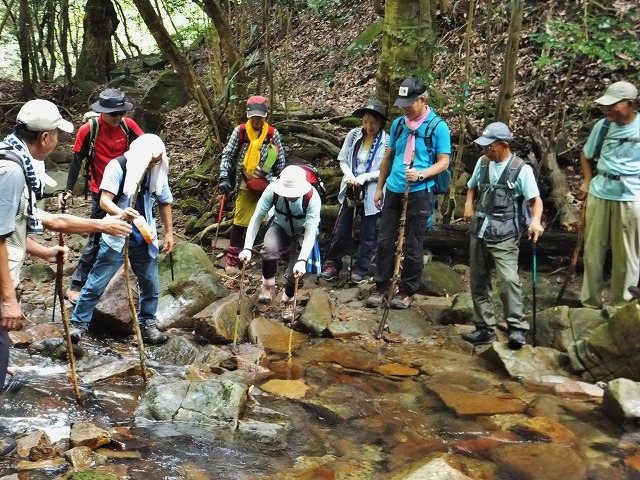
(420,176)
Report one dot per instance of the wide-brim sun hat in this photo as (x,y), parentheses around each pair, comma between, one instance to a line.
(374,106)
(111,100)
(292,182)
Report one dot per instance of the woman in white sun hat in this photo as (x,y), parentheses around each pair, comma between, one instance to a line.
(297,215)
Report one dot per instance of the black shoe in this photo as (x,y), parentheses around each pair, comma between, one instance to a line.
(77,332)
(635,292)
(7,446)
(480,336)
(517,338)
(151,335)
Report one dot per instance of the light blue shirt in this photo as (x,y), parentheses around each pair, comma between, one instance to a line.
(617,157)
(111,180)
(526,184)
(397,180)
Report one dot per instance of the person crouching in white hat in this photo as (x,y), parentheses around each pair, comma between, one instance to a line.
(297,213)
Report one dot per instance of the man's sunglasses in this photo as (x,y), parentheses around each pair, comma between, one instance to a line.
(117,114)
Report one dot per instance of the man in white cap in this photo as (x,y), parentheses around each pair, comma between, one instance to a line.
(252,158)
(99,140)
(145,162)
(419,149)
(612,190)
(33,139)
(297,212)
(502,202)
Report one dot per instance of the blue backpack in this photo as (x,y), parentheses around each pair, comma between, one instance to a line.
(443,179)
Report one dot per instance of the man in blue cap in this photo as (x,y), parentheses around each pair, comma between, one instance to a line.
(502,201)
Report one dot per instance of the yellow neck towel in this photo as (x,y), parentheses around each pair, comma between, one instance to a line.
(252,157)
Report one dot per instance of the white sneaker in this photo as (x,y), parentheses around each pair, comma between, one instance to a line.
(286,310)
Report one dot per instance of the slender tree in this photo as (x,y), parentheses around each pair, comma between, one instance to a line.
(24,24)
(509,69)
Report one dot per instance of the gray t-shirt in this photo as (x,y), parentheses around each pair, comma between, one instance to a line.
(14,196)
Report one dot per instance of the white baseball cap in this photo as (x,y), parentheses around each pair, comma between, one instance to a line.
(42,116)
(616,92)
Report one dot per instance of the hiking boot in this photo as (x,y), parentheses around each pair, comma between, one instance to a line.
(517,338)
(480,336)
(77,332)
(7,446)
(151,335)
(635,292)
(267,292)
(72,296)
(329,272)
(286,310)
(231,270)
(401,301)
(358,279)
(376,299)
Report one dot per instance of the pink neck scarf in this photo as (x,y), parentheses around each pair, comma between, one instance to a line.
(413,125)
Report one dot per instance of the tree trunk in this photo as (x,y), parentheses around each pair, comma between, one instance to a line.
(509,69)
(566,211)
(183,67)
(407,45)
(24,25)
(100,23)
(65,28)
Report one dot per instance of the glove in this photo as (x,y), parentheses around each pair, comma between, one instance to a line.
(362,178)
(300,268)
(225,186)
(245,255)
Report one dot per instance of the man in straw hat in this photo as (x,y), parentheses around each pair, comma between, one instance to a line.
(146,164)
(98,141)
(34,137)
(612,192)
(297,212)
(251,159)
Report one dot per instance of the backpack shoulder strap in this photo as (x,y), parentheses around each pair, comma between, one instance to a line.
(507,173)
(7,153)
(94,128)
(604,129)
(398,125)
(242,134)
(122,160)
(429,132)
(305,200)
(271,133)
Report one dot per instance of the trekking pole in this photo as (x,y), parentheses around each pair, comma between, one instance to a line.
(127,279)
(65,321)
(533,288)
(576,253)
(293,320)
(220,213)
(171,265)
(235,326)
(398,259)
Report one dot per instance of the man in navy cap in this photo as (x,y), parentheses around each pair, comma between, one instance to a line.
(419,149)
(613,205)
(502,201)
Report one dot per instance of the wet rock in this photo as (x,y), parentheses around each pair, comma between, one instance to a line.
(177,351)
(479,445)
(118,454)
(439,279)
(112,313)
(211,402)
(468,394)
(340,403)
(85,434)
(559,327)
(568,388)
(54,348)
(28,442)
(274,337)
(461,310)
(528,362)
(317,315)
(542,429)
(213,355)
(432,308)
(54,465)
(633,462)
(286,388)
(409,323)
(272,434)
(436,469)
(335,351)
(538,461)
(42,452)
(216,323)
(119,368)
(189,260)
(350,328)
(347,295)
(396,370)
(82,458)
(187,297)
(23,338)
(621,400)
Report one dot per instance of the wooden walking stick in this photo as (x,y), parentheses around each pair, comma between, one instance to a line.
(398,259)
(65,320)
(235,326)
(293,320)
(127,279)
(576,252)
(534,282)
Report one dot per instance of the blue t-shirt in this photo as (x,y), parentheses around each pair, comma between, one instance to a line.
(620,155)
(441,144)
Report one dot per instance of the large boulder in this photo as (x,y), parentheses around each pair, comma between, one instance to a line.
(166,94)
(217,322)
(620,400)
(113,313)
(317,316)
(559,327)
(440,279)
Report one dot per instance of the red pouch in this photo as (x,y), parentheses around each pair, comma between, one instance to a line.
(256,184)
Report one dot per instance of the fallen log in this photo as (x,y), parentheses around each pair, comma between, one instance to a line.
(294,126)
